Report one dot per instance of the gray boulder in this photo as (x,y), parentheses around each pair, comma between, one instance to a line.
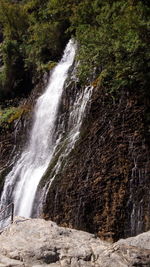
(36,242)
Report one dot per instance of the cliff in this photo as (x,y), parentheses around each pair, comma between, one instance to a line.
(104,188)
(103,184)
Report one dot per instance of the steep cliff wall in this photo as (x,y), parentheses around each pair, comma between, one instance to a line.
(105,187)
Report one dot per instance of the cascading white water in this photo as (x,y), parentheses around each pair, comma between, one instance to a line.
(28,171)
(76,115)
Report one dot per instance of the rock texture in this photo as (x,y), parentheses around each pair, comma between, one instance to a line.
(106,185)
(35,242)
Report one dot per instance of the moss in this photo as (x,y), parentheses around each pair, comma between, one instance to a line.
(100,79)
(9,115)
(47,67)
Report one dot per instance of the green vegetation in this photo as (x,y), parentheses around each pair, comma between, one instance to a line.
(9,115)
(115,42)
(113,39)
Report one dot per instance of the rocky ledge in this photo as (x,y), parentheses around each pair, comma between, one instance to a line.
(36,242)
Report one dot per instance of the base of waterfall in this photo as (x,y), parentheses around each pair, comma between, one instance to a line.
(36,242)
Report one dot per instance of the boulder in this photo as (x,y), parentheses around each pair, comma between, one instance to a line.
(36,242)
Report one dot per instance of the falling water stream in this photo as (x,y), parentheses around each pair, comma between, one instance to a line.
(29,169)
(22,182)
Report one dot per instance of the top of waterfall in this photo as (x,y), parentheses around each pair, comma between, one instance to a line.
(72,43)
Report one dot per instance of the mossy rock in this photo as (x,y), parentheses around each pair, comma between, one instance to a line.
(9,115)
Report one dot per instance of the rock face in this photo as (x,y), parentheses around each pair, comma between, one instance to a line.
(35,242)
(105,187)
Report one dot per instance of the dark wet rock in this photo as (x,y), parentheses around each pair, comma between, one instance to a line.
(104,188)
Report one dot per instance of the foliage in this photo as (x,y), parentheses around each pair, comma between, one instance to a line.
(113,39)
(14,23)
(31,39)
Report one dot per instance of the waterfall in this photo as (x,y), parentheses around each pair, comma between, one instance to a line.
(65,145)
(22,182)
(52,138)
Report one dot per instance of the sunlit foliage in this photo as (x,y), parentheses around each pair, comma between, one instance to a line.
(113,38)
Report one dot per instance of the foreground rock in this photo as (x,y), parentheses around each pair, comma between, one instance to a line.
(35,242)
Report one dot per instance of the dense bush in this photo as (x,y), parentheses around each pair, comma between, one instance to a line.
(114,42)
(32,40)
(113,39)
